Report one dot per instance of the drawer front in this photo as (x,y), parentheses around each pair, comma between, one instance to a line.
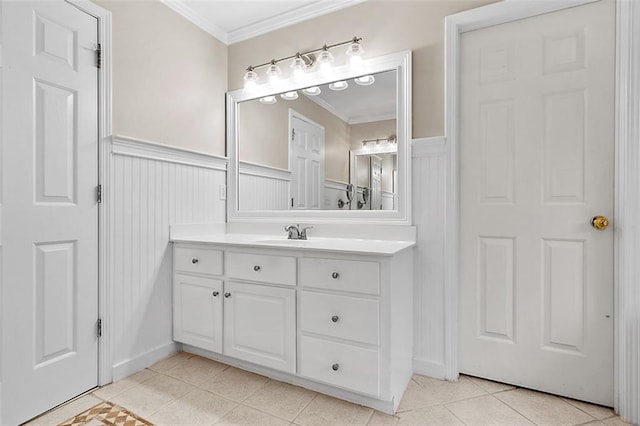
(344,317)
(345,275)
(346,366)
(197,261)
(259,267)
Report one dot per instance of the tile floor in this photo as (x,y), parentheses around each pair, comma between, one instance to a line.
(189,390)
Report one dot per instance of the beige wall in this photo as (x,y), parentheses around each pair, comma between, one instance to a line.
(264,135)
(169,78)
(386,26)
(374,130)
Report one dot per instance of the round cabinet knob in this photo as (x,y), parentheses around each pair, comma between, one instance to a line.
(335,275)
(335,318)
(194,260)
(335,367)
(216,293)
(600,223)
(256,268)
(227,295)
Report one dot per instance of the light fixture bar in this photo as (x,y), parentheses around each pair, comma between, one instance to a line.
(302,54)
(390,139)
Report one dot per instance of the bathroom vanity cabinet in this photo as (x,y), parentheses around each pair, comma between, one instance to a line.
(338,322)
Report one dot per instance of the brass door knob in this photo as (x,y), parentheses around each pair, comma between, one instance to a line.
(600,222)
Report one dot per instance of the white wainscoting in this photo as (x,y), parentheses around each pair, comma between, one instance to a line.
(387,200)
(429,168)
(152,186)
(262,187)
(334,190)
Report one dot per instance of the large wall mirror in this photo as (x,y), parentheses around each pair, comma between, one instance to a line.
(329,148)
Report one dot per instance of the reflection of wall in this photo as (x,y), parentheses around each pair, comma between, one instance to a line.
(386,27)
(264,135)
(389,164)
(373,130)
(169,78)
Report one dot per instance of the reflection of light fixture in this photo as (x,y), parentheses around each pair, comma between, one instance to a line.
(274,72)
(355,52)
(338,85)
(368,143)
(250,79)
(300,62)
(365,80)
(268,100)
(312,91)
(290,96)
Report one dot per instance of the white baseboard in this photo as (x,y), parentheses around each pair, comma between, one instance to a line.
(140,362)
(429,368)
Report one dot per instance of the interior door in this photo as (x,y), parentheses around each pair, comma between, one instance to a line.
(375,170)
(537,164)
(306,162)
(50,223)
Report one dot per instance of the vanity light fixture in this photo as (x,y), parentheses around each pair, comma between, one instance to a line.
(302,61)
(268,100)
(312,91)
(365,80)
(290,96)
(367,143)
(338,85)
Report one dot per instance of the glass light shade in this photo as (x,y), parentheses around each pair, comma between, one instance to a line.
(355,52)
(268,100)
(324,59)
(273,73)
(312,91)
(298,66)
(338,85)
(250,80)
(365,80)
(290,96)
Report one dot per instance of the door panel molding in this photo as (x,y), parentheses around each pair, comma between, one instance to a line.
(627,199)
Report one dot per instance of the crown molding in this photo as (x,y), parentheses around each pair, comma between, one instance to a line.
(295,16)
(195,18)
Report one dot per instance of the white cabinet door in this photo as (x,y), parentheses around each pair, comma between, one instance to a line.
(197,310)
(259,325)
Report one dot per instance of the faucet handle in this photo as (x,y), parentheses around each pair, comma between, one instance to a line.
(303,232)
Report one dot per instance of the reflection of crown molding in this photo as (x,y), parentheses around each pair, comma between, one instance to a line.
(373,118)
(198,20)
(264,26)
(326,105)
(253,169)
(286,19)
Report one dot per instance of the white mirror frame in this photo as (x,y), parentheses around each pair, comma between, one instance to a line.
(401,62)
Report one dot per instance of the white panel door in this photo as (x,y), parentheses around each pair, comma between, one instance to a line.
(375,171)
(306,162)
(537,157)
(50,223)
(260,325)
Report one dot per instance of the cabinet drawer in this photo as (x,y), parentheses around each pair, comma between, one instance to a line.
(346,275)
(260,267)
(347,366)
(197,261)
(344,317)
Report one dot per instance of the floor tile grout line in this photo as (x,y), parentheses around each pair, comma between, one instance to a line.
(305,407)
(454,414)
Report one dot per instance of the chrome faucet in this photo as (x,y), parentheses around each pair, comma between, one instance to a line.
(295,233)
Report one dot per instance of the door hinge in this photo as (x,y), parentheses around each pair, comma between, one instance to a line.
(291,201)
(99,327)
(99,56)
(99,193)
(293,134)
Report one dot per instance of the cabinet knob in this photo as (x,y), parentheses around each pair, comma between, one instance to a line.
(335,318)
(227,295)
(335,275)
(194,260)
(335,367)
(256,268)
(216,293)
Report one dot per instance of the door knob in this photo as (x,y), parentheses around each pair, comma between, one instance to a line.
(600,222)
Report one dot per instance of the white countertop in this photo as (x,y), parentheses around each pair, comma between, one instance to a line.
(344,245)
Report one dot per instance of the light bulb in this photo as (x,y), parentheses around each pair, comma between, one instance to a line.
(355,52)
(365,80)
(273,73)
(298,66)
(268,100)
(325,60)
(250,79)
(338,85)
(290,96)
(312,91)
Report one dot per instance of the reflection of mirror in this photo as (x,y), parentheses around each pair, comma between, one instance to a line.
(291,149)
